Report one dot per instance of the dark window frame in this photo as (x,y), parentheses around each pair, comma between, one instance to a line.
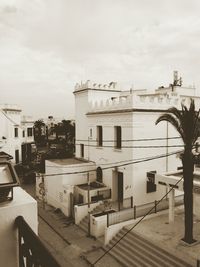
(16,132)
(118,137)
(151,186)
(99,135)
(16,156)
(29,131)
(99,173)
(82,150)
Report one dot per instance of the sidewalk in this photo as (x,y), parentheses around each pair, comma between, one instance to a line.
(79,250)
(168,236)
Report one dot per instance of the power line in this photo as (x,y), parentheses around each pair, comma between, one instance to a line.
(120,165)
(102,164)
(132,140)
(106,252)
(156,146)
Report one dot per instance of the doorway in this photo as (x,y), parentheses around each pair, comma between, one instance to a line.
(120,185)
(117,186)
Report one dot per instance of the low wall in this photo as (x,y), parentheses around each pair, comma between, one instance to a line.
(112,230)
(98,225)
(80,211)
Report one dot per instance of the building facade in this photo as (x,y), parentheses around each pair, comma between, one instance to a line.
(116,130)
(15,130)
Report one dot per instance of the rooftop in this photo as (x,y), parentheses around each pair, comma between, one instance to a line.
(92,186)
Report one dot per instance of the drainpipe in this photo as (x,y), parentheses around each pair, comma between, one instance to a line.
(167,151)
(88,195)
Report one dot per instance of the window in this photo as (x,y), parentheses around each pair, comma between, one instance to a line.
(23,133)
(17,156)
(118,137)
(99,175)
(99,136)
(29,131)
(151,186)
(90,133)
(16,132)
(82,150)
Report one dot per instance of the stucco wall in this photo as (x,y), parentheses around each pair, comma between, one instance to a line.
(22,205)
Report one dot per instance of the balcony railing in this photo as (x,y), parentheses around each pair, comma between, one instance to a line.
(32,252)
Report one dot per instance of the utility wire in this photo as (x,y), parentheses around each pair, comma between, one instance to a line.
(120,165)
(157,146)
(102,164)
(133,140)
(106,252)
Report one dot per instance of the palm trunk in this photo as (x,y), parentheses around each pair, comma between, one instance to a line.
(188,169)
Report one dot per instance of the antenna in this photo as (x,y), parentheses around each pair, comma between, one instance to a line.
(177,81)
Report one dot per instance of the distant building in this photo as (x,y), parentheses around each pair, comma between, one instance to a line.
(15,131)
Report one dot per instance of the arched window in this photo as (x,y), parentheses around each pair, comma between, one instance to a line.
(99,175)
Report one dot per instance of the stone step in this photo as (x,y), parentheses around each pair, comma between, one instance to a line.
(131,250)
(122,259)
(135,250)
(155,249)
(134,255)
(84,222)
(84,228)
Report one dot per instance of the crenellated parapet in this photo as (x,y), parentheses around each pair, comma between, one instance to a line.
(143,101)
(10,107)
(96,86)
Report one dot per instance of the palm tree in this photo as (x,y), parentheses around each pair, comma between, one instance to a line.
(69,130)
(185,122)
(38,128)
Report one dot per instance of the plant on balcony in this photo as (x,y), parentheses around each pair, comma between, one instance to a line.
(186,122)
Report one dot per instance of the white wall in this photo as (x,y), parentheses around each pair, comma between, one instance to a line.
(82,100)
(98,225)
(22,205)
(55,186)
(80,211)
(112,230)
(8,122)
(138,123)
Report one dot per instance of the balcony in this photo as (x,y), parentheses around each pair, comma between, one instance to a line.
(21,247)
(32,252)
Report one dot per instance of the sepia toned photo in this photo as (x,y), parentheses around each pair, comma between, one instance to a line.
(99,133)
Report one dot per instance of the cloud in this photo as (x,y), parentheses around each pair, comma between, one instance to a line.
(48,46)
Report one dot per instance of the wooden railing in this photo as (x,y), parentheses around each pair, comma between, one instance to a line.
(32,252)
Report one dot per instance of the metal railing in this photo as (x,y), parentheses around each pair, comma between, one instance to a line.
(126,203)
(32,252)
(137,211)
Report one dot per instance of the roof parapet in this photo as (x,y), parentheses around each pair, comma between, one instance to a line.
(132,101)
(95,86)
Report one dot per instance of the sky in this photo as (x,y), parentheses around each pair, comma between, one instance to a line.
(47,46)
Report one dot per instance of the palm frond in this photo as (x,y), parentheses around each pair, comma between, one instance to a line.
(185,121)
(174,121)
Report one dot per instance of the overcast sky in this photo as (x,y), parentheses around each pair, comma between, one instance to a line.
(47,46)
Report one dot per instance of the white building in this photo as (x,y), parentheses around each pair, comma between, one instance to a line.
(116,133)
(14,131)
(115,127)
